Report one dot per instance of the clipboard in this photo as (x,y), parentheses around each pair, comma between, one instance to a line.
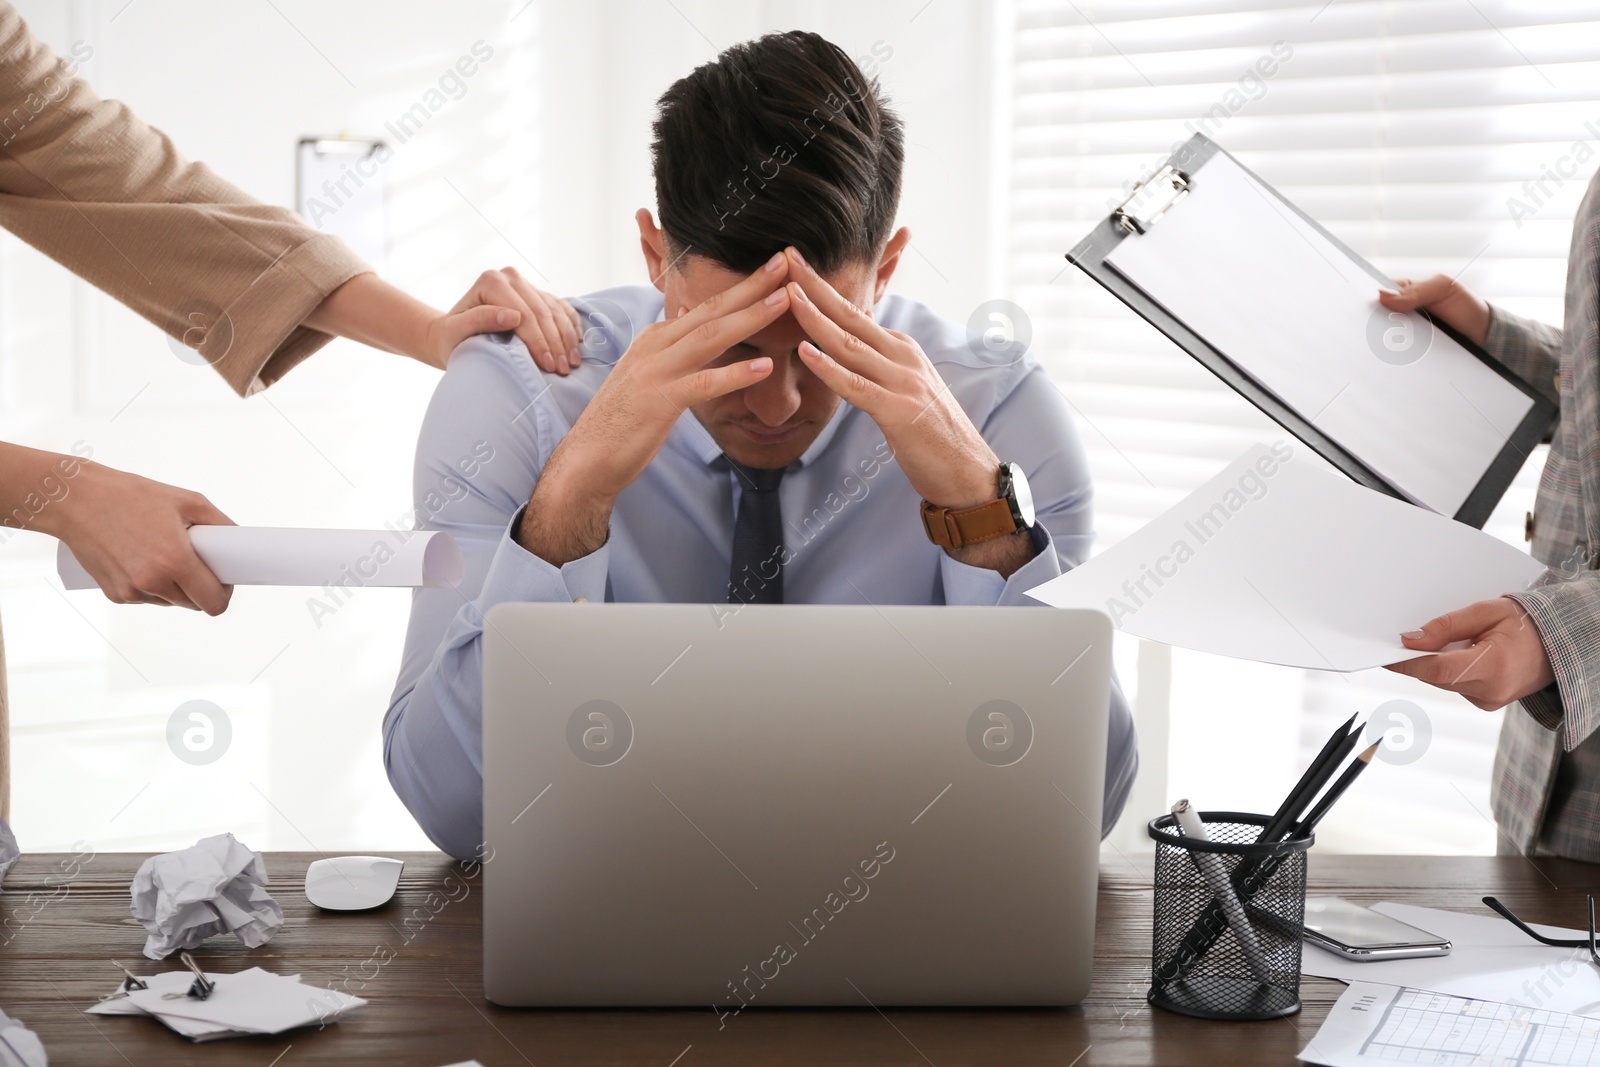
(341,186)
(1502,416)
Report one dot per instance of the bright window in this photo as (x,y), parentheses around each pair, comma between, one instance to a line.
(1429,135)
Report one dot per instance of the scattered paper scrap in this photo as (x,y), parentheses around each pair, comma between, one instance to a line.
(253,1001)
(19,1046)
(175,983)
(9,852)
(215,887)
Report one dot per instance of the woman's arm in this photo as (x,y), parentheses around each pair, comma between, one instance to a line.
(1540,646)
(370,310)
(89,184)
(110,198)
(1503,658)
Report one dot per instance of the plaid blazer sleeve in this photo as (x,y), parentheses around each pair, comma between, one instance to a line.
(1564,604)
(1565,617)
(1529,349)
(1567,614)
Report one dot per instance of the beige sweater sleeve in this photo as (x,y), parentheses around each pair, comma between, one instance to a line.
(86,182)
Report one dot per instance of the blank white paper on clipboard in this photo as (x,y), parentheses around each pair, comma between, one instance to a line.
(1292,310)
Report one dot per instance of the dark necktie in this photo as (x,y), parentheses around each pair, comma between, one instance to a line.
(756,576)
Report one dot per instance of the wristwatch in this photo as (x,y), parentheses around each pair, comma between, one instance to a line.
(1011,511)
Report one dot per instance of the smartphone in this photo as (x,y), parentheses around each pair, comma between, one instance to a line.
(1359,933)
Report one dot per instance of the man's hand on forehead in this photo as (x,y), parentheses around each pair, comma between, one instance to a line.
(744,293)
(886,374)
(670,367)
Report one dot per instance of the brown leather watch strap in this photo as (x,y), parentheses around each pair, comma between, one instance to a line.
(953,529)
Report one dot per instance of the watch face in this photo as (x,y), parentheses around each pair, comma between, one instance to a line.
(1021,495)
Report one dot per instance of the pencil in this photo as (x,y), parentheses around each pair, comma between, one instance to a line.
(1316,776)
(1336,790)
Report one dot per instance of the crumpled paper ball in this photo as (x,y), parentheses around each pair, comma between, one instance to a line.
(184,897)
(19,1046)
(9,852)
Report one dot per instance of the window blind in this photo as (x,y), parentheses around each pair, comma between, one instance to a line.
(1431,136)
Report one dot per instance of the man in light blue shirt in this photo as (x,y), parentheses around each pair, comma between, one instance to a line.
(742,431)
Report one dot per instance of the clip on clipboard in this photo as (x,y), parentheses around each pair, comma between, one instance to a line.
(1287,315)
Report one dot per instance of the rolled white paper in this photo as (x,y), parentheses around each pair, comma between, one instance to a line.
(270,555)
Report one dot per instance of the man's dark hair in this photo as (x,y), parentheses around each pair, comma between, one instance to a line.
(778,141)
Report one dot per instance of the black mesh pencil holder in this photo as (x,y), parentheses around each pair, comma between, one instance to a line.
(1222,955)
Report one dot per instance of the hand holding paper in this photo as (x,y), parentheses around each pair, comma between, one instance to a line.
(1281,561)
(215,887)
(267,555)
(1502,655)
(131,532)
(1445,298)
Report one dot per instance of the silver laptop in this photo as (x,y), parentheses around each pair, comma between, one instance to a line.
(695,805)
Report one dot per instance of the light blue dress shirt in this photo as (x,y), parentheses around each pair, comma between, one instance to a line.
(853,528)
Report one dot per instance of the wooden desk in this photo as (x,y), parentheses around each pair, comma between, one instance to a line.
(427,1007)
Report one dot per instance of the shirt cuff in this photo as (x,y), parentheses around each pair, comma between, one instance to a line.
(966,585)
(516,575)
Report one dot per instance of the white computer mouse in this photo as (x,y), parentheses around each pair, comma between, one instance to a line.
(352,883)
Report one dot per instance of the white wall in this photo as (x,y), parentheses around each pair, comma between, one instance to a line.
(612,59)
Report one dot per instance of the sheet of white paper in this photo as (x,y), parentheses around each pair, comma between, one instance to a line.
(269,555)
(166,982)
(1291,310)
(216,886)
(253,1001)
(1490,960)
(1280,560)
(1373,1024)
(162,984)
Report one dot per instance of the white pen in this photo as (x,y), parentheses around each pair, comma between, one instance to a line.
(1216,875)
